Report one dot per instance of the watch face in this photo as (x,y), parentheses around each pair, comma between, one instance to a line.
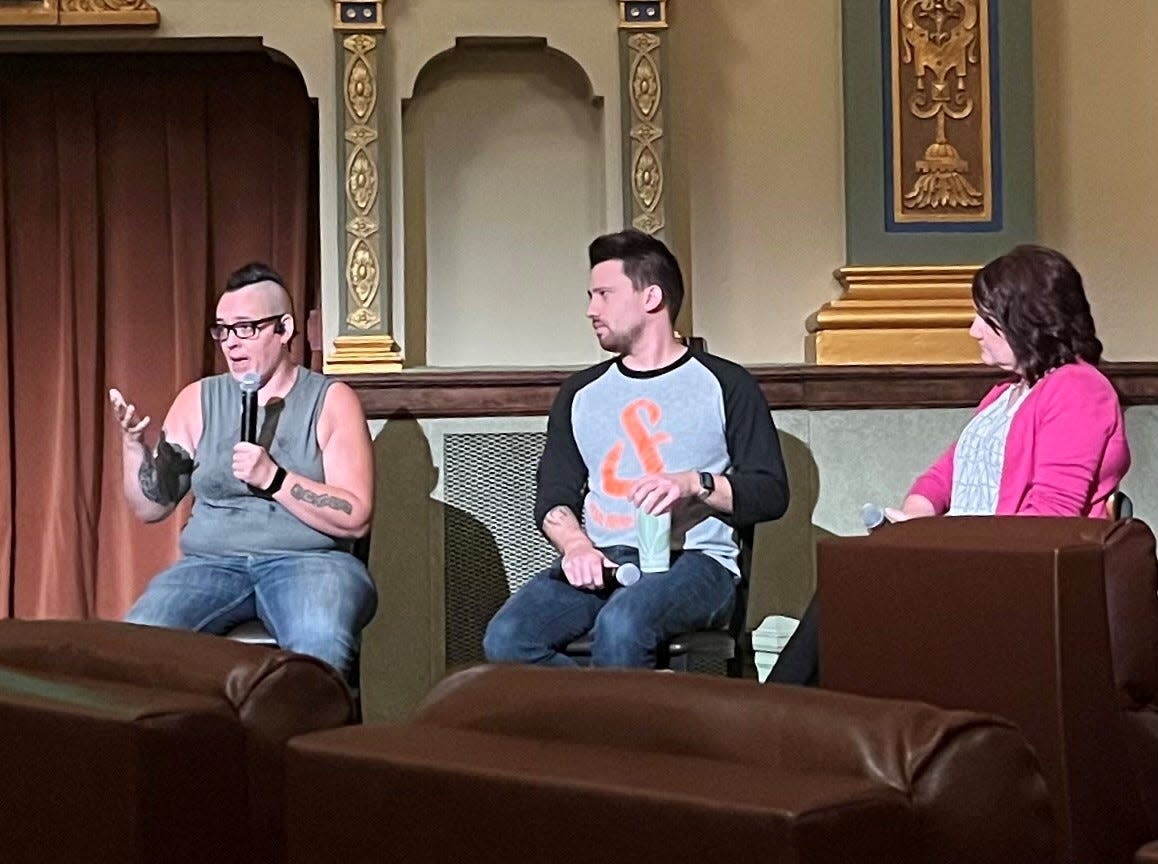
(707,484)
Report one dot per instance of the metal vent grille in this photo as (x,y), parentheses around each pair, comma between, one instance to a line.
(491,545)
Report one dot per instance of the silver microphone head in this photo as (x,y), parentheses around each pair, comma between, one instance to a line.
(626,574)
(872,515)
(250,382)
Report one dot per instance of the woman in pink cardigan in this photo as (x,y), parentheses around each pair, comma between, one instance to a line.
(1049,442)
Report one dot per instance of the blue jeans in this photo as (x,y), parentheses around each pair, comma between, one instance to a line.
(627,624)
(314,603)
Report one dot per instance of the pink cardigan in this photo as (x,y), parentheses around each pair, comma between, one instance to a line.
(1065,454)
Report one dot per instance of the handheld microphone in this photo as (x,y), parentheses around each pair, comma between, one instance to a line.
(621,575)
(872,515)
(250,384)
(618,576)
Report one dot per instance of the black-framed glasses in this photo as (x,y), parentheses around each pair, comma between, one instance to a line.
(244,329)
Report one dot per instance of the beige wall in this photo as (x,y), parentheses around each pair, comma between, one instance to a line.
(756,194)
(759,155)
(498,143)
(1097,132)
(759,151)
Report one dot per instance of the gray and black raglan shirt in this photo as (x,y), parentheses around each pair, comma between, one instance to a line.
(610,425)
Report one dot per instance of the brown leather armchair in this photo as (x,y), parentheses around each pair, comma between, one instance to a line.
(1052,623)
(139,744)
(513,763)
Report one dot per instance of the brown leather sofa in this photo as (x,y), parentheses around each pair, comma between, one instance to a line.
(517,764)
(136,744)
(1052,623)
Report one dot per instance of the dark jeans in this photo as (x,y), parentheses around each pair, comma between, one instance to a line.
(627,624)
(799,662)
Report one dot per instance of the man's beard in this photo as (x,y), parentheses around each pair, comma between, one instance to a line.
(619,343)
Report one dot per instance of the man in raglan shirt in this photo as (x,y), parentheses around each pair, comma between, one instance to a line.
(657,427)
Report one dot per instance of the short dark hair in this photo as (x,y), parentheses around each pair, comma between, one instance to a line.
(1034,297)
(646,261)
(252,273)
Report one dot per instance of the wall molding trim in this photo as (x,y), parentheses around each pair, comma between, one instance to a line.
(432,393)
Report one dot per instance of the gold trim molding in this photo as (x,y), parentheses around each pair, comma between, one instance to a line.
(79,13)
(909,314)
(363,355)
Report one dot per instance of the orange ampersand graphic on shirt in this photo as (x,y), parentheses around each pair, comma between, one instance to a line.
(640,420)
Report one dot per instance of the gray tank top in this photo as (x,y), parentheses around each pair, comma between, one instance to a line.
(227,518)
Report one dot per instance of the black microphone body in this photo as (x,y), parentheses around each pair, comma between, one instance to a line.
(618,576)
(250,384)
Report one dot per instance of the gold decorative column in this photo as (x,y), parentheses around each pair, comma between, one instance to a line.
(363,343)
(645,150)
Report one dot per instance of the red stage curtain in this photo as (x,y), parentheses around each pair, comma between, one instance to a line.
(130,186)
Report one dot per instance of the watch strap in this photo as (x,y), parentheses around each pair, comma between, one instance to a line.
(707,484)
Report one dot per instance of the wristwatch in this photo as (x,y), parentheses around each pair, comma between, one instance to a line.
(707,485)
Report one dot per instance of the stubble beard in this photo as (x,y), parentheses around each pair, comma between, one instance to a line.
(619,343)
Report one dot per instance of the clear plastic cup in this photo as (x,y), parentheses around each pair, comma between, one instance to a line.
(653,535)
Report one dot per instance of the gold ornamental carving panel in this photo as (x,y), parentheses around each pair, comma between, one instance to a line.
(103,5)
(362,345)
(363,269)
(645,93)
(941,111)
(78,13)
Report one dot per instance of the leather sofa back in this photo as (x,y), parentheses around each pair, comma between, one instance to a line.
(582,765)
(127,743)
(1052,623)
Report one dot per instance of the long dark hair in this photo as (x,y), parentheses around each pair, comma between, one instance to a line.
(1034,297)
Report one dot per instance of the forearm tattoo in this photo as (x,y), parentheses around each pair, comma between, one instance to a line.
(165,475)
(332,501)
(559,516)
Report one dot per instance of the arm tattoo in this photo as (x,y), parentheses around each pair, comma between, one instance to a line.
(304,494)
(558,515)
(165,475)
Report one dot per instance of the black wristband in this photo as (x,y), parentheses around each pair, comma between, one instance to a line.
(275,484)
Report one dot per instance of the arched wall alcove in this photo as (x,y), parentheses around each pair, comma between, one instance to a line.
(504,171)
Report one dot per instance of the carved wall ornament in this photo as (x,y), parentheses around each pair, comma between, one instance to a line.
(361,227)
(363,344)
(645,89)
(940,74)
(361,135)
(647,179)
(645,133)
(78,13)
(362,181)
(646,166)
(363,275)
(363,188)
(104,5)
(360,90)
